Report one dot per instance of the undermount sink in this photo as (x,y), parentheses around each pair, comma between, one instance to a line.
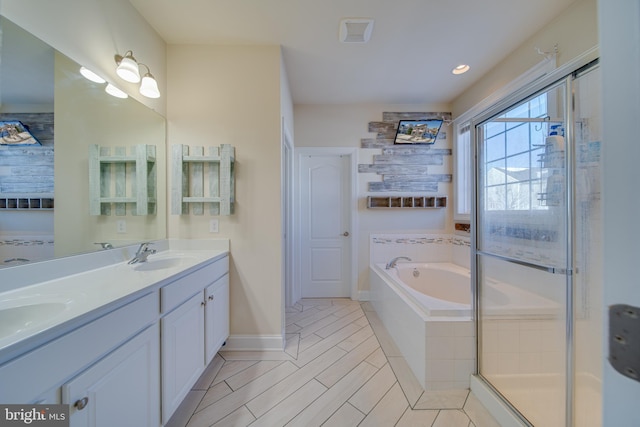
(14,319)
(162,263)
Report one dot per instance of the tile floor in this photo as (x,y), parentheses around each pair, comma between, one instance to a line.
(340,368)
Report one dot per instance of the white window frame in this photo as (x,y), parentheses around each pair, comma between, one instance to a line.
(463,165)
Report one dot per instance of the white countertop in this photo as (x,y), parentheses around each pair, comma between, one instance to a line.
(33,314)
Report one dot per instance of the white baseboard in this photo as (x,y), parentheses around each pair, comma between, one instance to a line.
(363,295)
(254,343)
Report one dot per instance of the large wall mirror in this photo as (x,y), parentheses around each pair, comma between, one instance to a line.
(67,113)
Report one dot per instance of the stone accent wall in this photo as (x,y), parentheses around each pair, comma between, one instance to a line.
(405,168)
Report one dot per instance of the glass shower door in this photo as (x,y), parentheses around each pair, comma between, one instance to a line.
(522,255)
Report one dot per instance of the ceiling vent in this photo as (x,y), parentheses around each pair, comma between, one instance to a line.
(355,30)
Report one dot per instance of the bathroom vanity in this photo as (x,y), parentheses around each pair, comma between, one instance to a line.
(121,344)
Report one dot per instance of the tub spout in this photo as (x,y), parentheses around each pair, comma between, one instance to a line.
(394,261)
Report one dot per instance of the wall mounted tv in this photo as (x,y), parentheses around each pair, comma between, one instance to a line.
(417,131)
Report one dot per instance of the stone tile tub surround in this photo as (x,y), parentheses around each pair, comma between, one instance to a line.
(439,350)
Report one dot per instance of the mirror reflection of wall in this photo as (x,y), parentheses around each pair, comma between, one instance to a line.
(38,84)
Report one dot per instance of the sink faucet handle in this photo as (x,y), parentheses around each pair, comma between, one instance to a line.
(105,245)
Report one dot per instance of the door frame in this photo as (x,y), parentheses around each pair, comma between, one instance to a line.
(288,233)
(352,213)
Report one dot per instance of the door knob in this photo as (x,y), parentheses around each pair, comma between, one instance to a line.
(345,234)
(81,403)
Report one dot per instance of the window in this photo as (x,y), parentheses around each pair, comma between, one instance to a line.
(512,149)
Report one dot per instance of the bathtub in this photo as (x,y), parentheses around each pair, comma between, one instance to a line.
(426,308)
(440,289)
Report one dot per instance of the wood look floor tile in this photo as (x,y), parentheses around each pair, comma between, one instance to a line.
(288,408)
(340,368)
(386,342)
(230,368)
(251,373)
(323,407)
(317,349)
(335,372)
(451,418)
(370,394)
(218,410)
(214,394)
(377,358)
(209,374)
(442,399)
(389,410)
(413,418)
(407,380)
(188,406)
(356,339)
(345,416)
(340,323)
(239,418)
(262,403)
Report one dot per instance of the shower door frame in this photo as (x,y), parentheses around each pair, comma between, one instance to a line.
(564,74)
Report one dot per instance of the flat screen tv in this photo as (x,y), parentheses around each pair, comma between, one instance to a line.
(417,131)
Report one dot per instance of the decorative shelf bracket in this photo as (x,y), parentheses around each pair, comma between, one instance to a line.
(190,179)
(130,178)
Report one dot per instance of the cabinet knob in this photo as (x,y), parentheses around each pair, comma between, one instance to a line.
(203,303)
(210,297)
(81,403)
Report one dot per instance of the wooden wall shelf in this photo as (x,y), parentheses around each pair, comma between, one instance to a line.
(190,180)
(119,178)
(412,202)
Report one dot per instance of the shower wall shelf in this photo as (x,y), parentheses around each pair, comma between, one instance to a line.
(119,178)
(412,202)
(191,180)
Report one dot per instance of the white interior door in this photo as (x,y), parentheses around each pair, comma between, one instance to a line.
(325,238)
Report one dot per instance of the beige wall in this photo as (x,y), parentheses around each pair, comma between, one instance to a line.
(91,33)
(86,115)
(574,31)
(345,126)
(232,95)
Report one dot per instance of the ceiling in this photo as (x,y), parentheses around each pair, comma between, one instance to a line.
(413,47)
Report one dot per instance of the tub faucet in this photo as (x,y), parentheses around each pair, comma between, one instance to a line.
(394,261)
(143,253)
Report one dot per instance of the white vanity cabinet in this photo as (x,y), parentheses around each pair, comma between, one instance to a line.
(195,317)
(122,389)
(216,316)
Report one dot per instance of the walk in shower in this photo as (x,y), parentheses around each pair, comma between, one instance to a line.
(537,216)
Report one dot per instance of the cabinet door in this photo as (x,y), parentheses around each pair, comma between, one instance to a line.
(122,389)
(182,352)
(216,316)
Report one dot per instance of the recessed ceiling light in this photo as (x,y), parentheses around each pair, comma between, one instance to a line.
(460,69)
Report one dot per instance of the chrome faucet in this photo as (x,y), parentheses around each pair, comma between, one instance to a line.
(143,253)
(394,261)
(104,245)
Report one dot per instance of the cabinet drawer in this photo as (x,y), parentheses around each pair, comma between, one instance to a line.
(53,363)
(185,287)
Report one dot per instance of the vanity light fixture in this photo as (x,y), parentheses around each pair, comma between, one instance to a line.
(460,69)
(127,67)
(129,70)
(114,91)
(149,85)
(90,75)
